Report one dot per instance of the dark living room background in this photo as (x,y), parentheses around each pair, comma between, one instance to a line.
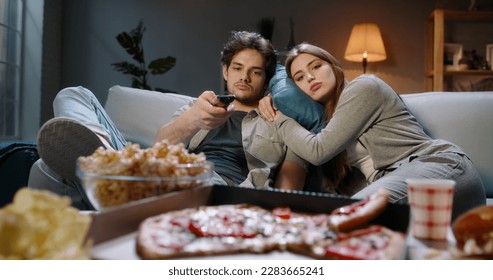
(72,42)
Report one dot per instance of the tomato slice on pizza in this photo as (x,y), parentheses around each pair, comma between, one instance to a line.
(282,212)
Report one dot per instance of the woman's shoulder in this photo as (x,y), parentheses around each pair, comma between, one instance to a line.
(369,84)
(366,83)
(366,80)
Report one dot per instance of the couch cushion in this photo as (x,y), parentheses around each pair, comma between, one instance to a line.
(290,100)
(139,113)
(464,118)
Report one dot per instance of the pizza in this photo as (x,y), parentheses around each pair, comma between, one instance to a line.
(371,243)
(246,228)
(214,230)
(352,216)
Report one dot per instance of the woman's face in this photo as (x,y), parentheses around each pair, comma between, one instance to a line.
(313,76)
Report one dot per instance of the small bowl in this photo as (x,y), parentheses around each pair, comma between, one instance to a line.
(105,191)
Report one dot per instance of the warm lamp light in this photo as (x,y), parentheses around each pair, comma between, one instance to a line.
(365,44)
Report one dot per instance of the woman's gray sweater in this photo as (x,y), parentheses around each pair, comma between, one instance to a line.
(371,112)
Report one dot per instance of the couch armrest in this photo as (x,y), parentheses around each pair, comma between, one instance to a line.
(138,113)
(16,159)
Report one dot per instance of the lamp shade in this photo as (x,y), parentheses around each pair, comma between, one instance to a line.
(365,41)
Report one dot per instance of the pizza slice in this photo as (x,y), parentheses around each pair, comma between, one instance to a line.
(371,243)
(358,214)
(248,228)
(299,229)
(165,235)
(208,230)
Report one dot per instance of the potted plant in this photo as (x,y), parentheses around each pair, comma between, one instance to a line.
(132,43)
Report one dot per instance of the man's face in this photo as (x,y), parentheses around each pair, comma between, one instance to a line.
(245,76)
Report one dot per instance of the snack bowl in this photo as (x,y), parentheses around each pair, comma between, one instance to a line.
(104,190)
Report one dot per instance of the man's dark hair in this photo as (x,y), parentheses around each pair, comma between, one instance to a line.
(241,40)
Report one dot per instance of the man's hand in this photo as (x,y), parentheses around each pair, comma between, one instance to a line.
(267,109)
(204,115)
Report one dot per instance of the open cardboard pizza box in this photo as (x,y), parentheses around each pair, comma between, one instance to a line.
(113,231)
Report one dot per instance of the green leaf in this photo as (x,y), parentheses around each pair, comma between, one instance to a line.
(137,36)
(138,32)
(128,68)
(132,43)
(161,65)
(125,40)
(131,46)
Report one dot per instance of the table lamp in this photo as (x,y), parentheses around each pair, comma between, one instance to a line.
(365,44)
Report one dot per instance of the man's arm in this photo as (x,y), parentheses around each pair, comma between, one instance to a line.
(202,115)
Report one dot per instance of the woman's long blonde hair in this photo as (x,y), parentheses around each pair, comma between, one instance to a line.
(337,168)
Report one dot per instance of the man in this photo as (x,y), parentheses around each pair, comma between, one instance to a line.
(236,139)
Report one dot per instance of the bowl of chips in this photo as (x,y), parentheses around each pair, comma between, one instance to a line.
(111,178)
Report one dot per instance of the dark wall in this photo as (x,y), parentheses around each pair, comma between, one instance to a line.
(193,31)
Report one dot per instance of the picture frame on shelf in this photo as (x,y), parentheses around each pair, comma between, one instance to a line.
(489,55)
(452,53)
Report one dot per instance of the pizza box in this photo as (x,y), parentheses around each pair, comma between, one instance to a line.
(113,231)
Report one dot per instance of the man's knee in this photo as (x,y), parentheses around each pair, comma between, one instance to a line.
(72,95)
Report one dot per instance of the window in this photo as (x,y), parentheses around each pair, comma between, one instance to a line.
(10,67)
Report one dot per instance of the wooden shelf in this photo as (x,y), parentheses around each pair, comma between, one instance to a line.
(429,74)
(462,15)
(468,72)
(434,48)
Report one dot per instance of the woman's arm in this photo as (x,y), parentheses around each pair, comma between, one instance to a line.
(359,106)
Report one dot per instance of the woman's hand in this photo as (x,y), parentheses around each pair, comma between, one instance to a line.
(267,109)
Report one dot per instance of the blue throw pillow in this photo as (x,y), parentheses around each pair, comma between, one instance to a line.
(294,103)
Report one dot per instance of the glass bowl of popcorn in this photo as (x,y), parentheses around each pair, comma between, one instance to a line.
(111,178)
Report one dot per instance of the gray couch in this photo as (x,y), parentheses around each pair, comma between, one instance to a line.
(463,118)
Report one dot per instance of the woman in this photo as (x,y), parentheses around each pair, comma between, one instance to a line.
(369,127)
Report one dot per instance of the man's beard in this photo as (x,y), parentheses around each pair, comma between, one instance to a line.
(250,100)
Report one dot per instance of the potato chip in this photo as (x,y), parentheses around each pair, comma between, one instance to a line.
(41,225)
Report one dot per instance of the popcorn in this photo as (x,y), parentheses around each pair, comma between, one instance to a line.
(134,173)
